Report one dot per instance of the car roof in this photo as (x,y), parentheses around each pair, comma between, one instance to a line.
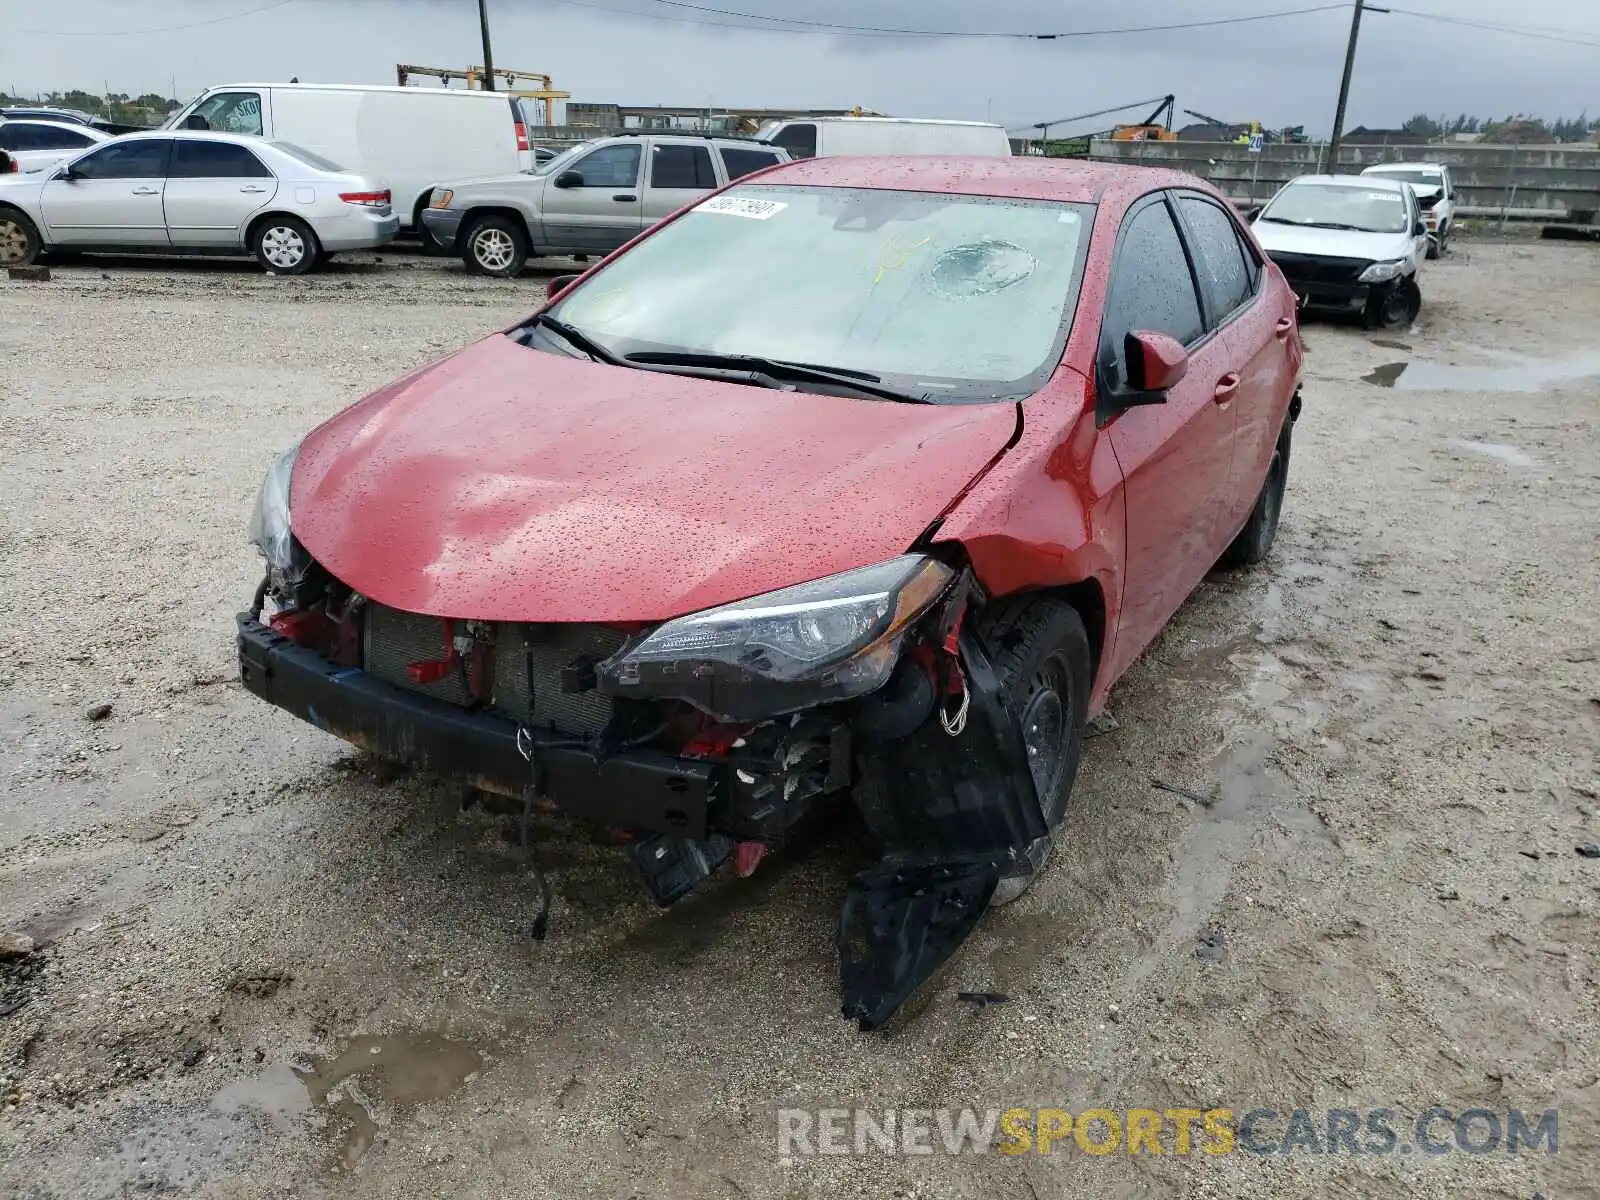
(91,130)
(1069,181)
(364,87)
(1353,181)
(1380,168)
(186,135)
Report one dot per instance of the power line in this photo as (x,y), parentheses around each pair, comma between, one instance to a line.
(801,25)
(158,29)
(1571,37)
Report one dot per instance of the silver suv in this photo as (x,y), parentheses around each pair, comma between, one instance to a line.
(590,199)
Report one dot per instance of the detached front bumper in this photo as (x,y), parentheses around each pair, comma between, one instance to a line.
(443,225)
(638,789)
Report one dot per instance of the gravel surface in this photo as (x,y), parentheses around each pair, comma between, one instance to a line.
(266,965)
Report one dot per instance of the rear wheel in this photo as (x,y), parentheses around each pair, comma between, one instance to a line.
(1255,540)
(495,246)
(285,246)
(19,239)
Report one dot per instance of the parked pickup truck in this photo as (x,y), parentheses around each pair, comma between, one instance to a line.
(590,199)
(1436,192)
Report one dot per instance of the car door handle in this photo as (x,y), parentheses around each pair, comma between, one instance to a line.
(1285,327)
(625,198)
(1227,388)
(146,191)
(253,190)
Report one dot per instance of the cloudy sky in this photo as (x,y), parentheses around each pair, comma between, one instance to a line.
(1279,71)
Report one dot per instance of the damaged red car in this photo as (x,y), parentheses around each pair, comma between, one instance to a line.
(862,478)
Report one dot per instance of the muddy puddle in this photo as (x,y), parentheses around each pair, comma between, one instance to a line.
(375,1080)
(1516,374)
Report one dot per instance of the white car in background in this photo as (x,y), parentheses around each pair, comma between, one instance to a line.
(36,144)
(1349,243)
(176,192)
(1436,192)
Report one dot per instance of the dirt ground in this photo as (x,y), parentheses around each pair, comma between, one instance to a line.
(268,966)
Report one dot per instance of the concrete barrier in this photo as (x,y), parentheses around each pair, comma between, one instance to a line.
(1542,183)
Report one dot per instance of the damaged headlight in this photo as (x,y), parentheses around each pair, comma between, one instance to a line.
(1382,272)
(269,526)
(831,639)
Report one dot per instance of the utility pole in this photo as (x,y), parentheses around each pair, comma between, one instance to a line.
(1344,87)
(488,55)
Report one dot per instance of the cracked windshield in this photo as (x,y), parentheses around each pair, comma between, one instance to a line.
(958,297)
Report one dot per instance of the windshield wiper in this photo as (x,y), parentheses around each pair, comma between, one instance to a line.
(577,338)
(776,368)
(1334,225)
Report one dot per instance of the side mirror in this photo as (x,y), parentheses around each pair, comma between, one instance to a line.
(66,174)
(1156,364)
(559,284)
(196,121)
(569,179)
(1421,230)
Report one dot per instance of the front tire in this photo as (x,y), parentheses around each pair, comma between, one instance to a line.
(20,242)
(285,246)
(1255,540)
(495,246)
(1040,652)
(1396,307)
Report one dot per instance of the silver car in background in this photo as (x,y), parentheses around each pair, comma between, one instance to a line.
(36,144)
(190,192)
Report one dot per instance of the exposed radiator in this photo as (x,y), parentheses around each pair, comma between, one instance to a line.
(392,640)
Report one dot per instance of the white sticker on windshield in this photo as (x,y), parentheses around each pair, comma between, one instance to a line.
(739,206)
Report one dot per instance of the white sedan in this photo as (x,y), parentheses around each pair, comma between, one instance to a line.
(195,193)
(36,144)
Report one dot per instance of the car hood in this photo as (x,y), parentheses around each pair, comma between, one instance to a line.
(495,183)
(1331,243)
(509,484)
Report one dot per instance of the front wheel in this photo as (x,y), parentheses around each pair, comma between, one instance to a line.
(285,246)
(1040,653)
(1395,307)
(496,246)
(19,239)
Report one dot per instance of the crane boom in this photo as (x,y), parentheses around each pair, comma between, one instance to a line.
(1163,101)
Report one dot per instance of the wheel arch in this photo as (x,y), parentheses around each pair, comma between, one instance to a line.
(479,211)
(261,218)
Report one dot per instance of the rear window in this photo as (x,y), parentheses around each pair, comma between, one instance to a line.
(743,162)
(308,157)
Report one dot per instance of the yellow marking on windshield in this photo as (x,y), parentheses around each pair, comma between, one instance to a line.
(894,257)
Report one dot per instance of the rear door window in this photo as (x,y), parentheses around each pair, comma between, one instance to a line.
(682,167)
(1219,259)
(1152,289)
(214,160)
(799,139)
(740,162)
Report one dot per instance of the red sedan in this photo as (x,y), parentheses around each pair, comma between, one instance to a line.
(863,480)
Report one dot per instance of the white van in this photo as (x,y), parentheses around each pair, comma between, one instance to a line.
(816,137)
(412,138)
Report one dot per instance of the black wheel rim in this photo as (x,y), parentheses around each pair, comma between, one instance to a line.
(1396,307)
(1046,730)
